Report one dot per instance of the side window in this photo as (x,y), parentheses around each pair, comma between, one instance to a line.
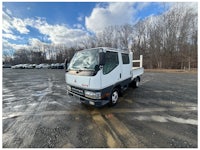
(111,61)
(125,59)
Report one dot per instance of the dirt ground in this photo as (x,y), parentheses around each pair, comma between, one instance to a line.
(37,113)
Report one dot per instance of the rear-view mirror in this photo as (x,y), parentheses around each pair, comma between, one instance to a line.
(65,64)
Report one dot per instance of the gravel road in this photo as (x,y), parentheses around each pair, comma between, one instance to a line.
(37,113)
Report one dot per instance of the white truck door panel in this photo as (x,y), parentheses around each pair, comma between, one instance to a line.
(126,66)
(111,72)
(111,78)
(126,72)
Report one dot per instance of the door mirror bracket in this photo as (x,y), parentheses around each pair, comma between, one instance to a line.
(101,58)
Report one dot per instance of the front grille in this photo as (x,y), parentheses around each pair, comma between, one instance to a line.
(77,91)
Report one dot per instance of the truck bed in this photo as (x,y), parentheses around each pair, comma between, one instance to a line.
(136,71)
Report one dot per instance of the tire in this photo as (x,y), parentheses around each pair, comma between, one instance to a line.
(135,82)
(114,97)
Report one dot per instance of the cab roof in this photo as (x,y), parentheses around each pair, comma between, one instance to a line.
(110,49)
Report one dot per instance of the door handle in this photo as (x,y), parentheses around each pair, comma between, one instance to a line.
(120,75)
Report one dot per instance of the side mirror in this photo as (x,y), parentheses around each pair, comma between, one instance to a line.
(65,64)
(96,68)
(102,58)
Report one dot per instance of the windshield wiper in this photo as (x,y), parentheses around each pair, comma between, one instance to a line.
(86,68)
(82,69)
(79,70)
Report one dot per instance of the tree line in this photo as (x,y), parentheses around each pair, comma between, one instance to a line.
(166,41)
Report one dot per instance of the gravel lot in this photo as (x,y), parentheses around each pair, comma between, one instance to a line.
(37,113)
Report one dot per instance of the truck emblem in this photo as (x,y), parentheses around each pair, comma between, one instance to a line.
(75,80)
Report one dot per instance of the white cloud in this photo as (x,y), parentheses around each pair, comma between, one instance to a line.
(140,6)
(57,34)
(11,36)
(11,23)
(10,46)
(35,42)
(80,18)
(79,26)
(20,25)
(119,13)
(7,23)
(113,14)
(8,12)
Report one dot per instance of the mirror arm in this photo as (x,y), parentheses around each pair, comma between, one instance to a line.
(65,63)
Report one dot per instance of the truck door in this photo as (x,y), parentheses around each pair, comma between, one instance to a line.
(111,73)
(126,66)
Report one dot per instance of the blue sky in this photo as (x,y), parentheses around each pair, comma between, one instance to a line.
(54,12)
(29,23)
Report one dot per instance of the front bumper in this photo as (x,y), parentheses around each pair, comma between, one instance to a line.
(85,100)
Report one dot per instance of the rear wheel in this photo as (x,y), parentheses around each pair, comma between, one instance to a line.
(135,82)
(114,97)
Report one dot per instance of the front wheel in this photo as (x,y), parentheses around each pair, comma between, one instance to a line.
(114,97)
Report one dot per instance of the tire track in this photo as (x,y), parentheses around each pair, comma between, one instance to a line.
(103,112)
(128,138)
(106,130)
(116,133)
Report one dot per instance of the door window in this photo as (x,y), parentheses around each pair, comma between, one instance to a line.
(125,58)
(111,62)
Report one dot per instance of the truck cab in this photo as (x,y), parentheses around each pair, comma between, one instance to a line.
(99,75)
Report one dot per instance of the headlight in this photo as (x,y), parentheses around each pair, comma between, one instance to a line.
(68,87)
(93,95)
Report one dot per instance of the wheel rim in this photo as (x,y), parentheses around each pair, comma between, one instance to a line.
(114,97)
(137,83)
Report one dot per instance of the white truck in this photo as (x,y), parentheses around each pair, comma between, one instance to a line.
(98,76)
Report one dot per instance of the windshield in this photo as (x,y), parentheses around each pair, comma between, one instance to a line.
(85,60)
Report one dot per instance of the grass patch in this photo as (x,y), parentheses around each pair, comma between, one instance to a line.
(172,70)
